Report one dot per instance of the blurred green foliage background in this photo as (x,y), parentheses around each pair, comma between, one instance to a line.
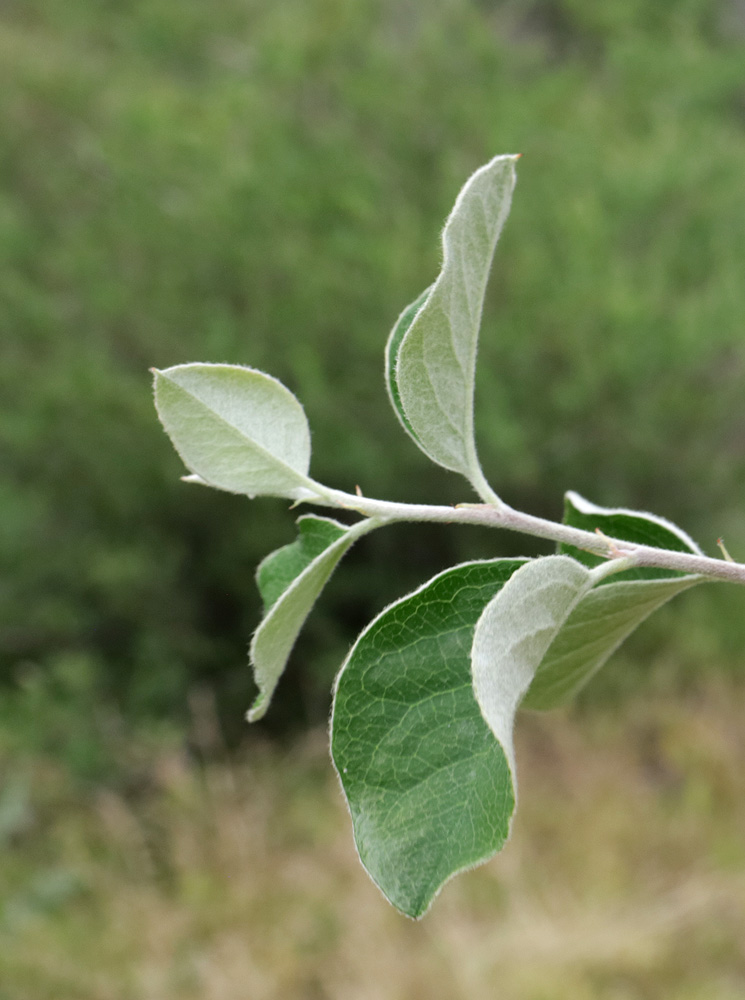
(264,184)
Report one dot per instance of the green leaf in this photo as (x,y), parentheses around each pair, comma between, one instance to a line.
(237,429)
(290,581)
(428,786)
(401,326)
(277,571)
(609,613)
(514,633)
(596,628)
(629,526)
(431,373)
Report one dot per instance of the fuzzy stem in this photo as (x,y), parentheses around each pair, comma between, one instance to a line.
(492,516)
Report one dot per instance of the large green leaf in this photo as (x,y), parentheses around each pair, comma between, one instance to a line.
(429,787)
(608,613)
(238,429)
(515,631)
(431,355)
(290,581)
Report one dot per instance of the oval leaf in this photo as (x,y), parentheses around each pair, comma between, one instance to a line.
(432,384)
(428,786)
(237,429)
(290,581)
(514,633)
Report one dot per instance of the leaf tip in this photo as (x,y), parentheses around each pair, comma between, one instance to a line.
(258,709)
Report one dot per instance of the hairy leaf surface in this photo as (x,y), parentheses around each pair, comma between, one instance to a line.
(514,633)
(290,581)
(610,612)
(236,428)
(428,785)
(431,356)
(277,571)
(593,632)
(400,328)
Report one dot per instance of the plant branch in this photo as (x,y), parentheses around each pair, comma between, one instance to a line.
(492,516)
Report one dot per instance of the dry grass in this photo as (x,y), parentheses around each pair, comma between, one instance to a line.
(625,878)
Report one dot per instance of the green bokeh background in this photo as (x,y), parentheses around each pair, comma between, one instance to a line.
(264,184)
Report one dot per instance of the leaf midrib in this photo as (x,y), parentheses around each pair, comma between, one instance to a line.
(241,435)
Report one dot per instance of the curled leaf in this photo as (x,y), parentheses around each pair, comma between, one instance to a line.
(609,613)
(290,581)
(431,353)
(514,633)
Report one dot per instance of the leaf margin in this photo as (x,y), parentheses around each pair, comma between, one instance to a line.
(269,664)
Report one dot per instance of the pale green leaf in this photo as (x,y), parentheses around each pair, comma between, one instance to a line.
(401,326)
(290,581)
(278,570)
(611,612)
(428,786)
(431,374)
(595,629)
(514,633)
(237,429)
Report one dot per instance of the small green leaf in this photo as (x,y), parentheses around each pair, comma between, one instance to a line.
(275,573)
(428,786)
(290,581)
(629,526)
(609,613)
(431,373)
(514,633)
(237,429)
